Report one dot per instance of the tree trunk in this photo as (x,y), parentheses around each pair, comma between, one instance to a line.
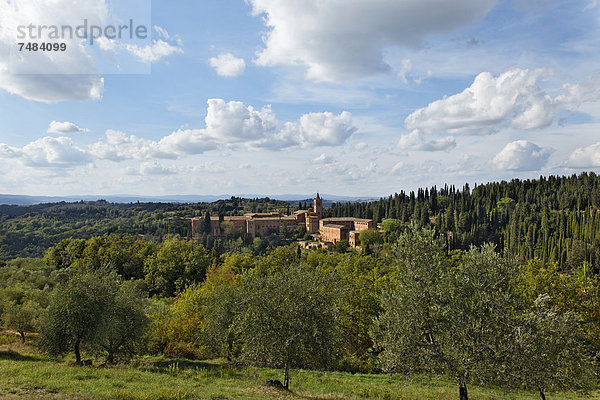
(462,388)
(77,353)
(229,350)
(22,333)
(286,377)
(542,395)
(110,359)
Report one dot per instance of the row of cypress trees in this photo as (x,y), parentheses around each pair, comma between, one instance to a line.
(556,219)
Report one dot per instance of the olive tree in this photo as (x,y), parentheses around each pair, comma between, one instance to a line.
(218,330)
(287,320)
(125,320)
(75,316)
(21,317)
(548,352)
(456,319)
(92,311)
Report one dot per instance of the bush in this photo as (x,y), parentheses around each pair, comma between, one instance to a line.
(184,350)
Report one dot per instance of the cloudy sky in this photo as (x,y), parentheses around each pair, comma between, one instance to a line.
(364,97)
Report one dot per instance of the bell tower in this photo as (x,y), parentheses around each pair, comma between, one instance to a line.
(318,206)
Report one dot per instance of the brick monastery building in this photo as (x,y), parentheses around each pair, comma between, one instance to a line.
(331,230)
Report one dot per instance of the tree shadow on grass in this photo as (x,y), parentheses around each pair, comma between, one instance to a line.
(10,355)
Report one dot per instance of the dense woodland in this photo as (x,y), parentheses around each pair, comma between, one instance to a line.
(553,218)
(417,298)
(28,231)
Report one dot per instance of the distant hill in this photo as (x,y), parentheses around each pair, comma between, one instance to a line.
(8,199)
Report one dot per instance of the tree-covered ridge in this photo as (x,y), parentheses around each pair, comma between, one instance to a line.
(554,218)
(28,231)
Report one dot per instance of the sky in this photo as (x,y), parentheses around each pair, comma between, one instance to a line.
(348,97)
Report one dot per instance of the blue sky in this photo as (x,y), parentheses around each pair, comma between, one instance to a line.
(298,96)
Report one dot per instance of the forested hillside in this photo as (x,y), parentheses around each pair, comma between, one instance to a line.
(28,231)
(554,218)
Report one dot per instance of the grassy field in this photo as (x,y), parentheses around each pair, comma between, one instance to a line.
(25,374)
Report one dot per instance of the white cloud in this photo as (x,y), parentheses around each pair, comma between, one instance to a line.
(154,168)
(324,159)
(166,45)
(235,123)
(415,141)
(522,156)
(73,75)
(399,167)
(118,146)
(228,65)
(513,99)
(337,39)
(586,157)
(106,44)
(164,34)
(341,171)
(64,128)
(158,50)
(319,129)
(579,93)
(209,167)
(50,88)
(230,125)
(405,69)
(467,164)
(186,141)
(47,152)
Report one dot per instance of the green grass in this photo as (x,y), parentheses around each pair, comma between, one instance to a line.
(25,374)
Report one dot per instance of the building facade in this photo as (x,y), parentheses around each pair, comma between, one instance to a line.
(334,230)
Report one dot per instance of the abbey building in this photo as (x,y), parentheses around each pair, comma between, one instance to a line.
(330,230)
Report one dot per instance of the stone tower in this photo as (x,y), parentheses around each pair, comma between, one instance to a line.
(318,206)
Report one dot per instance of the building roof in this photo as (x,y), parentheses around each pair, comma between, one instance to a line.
(263,215)
(277,219)
(230,218)
(344,219)
(334,226)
